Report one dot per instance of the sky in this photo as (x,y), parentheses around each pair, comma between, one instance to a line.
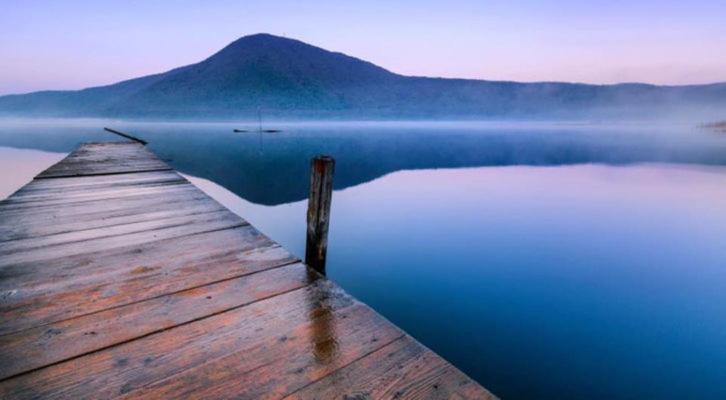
(73,44)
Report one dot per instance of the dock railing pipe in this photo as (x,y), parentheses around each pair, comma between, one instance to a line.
(318,218)
(126,135)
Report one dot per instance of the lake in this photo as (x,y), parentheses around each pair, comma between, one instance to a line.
(545,260)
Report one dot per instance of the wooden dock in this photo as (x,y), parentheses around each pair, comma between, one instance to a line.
(120,279)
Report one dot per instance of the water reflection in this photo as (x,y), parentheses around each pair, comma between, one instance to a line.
(18,167)
(273,168)
(323,302)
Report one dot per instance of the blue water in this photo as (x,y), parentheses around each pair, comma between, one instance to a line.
(545,262)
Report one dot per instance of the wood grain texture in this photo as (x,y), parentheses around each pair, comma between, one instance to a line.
(120,279)
(135,364)
(51,343)
(39,293)
(322,169)
(403,369)
(276,366)
(106,158)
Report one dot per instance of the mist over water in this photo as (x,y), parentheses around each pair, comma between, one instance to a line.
(273,168)
(565,260)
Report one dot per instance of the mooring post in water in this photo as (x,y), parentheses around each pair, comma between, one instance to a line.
(321,195)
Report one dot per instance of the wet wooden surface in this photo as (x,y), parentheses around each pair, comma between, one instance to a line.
(120,279)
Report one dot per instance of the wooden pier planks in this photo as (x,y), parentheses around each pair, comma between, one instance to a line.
(120,279)
(106,158)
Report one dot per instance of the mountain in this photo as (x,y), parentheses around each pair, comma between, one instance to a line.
(290,79)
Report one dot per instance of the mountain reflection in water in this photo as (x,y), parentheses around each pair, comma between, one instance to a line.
(273,168)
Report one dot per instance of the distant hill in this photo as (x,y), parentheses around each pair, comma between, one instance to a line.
(287,78)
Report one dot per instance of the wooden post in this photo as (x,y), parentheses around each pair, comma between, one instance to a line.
(321,194)
(126,135)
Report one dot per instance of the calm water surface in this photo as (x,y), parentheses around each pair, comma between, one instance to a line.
(546,261)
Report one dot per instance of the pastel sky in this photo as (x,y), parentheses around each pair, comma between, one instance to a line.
(73,44)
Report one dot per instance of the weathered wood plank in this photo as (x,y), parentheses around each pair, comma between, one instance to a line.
(404,369)
(10,205)
(52,343)
(130,366)
(39,293)
(95,210)
(75,219)
(52,247)
(68,185)
(280,365)
(106,158)
(22,247)
(82,207)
